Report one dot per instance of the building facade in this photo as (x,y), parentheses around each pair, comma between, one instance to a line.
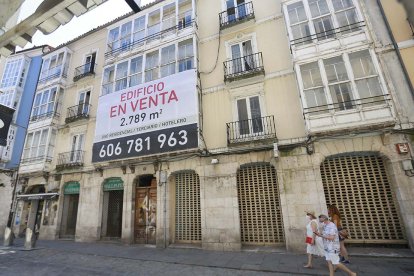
(19,79)
(217,124)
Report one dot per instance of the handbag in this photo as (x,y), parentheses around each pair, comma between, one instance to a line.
(344,233)
(309,240)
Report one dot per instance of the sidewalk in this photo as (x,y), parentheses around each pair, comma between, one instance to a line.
(97,256)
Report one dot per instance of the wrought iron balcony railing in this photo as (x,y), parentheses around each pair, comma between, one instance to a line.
(348,105)
(70,159)
(44,116)
(77,112)
(332,33)
(247,66)
(235,15)
(88,69)
(259,128)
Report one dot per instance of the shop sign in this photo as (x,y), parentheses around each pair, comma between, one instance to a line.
(71,188)
(113,184)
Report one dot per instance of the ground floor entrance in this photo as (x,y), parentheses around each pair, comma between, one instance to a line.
(70,210)
(112,208)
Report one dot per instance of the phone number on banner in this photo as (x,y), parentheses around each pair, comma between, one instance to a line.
(166,140)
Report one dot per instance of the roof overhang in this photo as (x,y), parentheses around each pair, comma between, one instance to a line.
(49,16)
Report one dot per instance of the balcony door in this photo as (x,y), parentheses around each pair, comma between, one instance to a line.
(83,103)
(249,116)
(236,9)
(90,63)
(76,149)
(241,54)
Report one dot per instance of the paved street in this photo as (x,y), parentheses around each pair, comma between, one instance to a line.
(70,258)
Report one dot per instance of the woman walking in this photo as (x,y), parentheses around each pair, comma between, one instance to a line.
(314,244)
(335,216)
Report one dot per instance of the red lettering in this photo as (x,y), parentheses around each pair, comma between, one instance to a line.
(160,88)
(143,103)
(172,97)
(123,97)
(163,96)
(113,111)
(153,101)
(134,105)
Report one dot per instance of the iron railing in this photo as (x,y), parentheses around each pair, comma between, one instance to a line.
(328,33)
(151,37)
(243,67)
(348,105)
(85,70)
(70,159)
(259,128)
(77,112)
(44,116)
(235,15)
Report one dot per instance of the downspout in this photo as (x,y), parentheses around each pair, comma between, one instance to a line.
(397,50)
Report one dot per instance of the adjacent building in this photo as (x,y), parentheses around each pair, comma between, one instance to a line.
(217,124)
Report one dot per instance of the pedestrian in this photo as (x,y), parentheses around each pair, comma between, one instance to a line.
(335,216)
(330,239)
(314,244)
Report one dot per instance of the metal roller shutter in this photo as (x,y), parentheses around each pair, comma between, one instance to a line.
(261,220)
(359,186)
(187,210)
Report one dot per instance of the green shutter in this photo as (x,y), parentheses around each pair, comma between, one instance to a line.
(113,184)
(71,188)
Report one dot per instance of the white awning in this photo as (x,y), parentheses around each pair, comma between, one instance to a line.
(37,196)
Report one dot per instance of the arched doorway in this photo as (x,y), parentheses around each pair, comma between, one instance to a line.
(113,189)
(145,209)
(261,221)
(359,186)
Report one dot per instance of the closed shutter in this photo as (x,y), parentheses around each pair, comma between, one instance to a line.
(187,207)
(259,205)
(359,186)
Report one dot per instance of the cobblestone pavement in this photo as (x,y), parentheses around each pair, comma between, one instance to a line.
(72,258)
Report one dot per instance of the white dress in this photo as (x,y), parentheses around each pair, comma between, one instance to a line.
(317,248)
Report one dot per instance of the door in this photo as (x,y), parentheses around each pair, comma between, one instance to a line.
(76,150)
(146,214)
(249,116)
(114,215)
(241,54)
(236,10)
(90,63)
(70,214)
(83,103)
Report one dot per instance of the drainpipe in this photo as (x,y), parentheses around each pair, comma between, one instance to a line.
(397,50)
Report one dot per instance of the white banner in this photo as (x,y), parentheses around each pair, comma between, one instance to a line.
(160,104)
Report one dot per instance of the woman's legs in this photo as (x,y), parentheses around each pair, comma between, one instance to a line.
(344,252)
(309,264)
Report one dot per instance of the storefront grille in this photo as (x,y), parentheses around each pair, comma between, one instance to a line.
(187,210)
(259,205)
(114,221)
(360,188)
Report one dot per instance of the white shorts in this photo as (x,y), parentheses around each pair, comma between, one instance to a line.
(333,257)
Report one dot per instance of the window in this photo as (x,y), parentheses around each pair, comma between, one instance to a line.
(185,55)
(108,80)
(121,79)
(53,66)
(12,72)
(184,14)
(154,25)
(249,116)
(168,19)
(236,9)
(113,42)
(242,57)
(126,31)
(168,61)
(90,63)
(44,104)
(151,66)
(313,86)
(343,74)
(139,30)
(135,71)
(320,19)
(35,146)
(77,148)
(7,98)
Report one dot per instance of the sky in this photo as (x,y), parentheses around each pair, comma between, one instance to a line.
(77,26)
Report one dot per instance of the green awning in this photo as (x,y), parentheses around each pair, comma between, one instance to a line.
(71,188)
(113,184)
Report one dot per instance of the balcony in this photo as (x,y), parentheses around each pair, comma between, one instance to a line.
(51,74)
(77,112)
(236,15)
(243,67)
(88,69)
(362,113)
(261,128)
(44,116)
(71,159)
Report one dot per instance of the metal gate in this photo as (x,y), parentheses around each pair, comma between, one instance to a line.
(187,207)
(70,215)
(359,186)
(261,220)
(114,219)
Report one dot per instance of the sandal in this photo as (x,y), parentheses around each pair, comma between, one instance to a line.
(307,266)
